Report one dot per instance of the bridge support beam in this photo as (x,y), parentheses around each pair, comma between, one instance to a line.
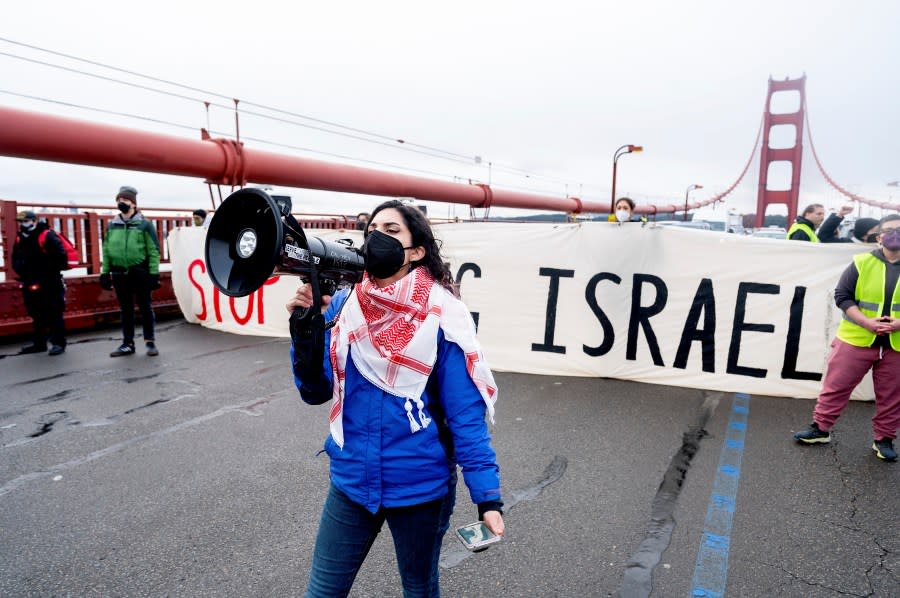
(58,139)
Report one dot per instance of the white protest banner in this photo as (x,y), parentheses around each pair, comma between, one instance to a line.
(653,304)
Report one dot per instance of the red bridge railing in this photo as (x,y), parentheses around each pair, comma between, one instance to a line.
(87,304)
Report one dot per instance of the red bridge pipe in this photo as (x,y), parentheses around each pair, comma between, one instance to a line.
(38,136)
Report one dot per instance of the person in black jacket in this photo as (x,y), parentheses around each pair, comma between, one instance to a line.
(38,256)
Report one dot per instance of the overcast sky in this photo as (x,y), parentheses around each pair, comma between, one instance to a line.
(551,88)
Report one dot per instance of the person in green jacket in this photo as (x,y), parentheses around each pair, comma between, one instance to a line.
(131,267)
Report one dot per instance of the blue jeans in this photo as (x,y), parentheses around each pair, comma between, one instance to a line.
(347,531)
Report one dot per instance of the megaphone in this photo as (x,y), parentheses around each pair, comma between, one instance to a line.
(253,236)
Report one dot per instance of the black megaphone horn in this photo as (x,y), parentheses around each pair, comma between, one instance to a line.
(253,236)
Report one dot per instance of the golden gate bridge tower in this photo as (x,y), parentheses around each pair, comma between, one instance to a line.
(770,156)
(791,155)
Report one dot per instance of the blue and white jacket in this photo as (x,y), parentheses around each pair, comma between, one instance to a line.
(383,463)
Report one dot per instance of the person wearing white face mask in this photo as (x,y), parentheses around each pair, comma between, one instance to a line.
(624,209)
(868,338)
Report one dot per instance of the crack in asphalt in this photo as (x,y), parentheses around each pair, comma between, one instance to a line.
(57,396)
(638,579)
(813,584)
(552,473)
(24,479)
(47,422)
(106,421)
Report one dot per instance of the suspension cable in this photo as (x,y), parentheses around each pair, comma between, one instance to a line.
(852,196)
(715,198)
(386,140)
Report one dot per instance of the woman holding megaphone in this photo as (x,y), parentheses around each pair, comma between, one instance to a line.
(410,390)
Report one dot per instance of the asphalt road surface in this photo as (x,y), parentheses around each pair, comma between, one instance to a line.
(195,473)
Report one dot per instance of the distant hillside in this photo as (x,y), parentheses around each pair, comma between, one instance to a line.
(770,220)
(553,217)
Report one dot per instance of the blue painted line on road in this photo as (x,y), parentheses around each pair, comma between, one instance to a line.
(724,503)
(711,570)
(730,469)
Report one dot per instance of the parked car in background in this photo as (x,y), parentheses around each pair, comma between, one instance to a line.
(695,224)
(729,226)
(771,232)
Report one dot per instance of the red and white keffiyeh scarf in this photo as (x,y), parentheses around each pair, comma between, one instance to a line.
(393,331)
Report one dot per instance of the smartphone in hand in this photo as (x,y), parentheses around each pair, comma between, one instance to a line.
(476,536)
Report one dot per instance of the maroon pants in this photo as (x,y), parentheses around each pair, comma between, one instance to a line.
(847,366)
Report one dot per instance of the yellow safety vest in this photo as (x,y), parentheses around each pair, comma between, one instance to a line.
(805,228)
(870,299)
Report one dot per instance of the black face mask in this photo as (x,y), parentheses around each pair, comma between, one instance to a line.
(123,207)
(873,238)
(384,255)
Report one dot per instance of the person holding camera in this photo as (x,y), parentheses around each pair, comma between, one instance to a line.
(131,267)
(410,390)
(868,338)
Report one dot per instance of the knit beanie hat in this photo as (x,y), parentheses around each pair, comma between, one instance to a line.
(128,193)
(862,226)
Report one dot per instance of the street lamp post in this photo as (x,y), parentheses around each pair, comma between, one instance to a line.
(686,193)
(628,148)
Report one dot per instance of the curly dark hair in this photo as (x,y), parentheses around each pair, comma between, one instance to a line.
(422,236)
